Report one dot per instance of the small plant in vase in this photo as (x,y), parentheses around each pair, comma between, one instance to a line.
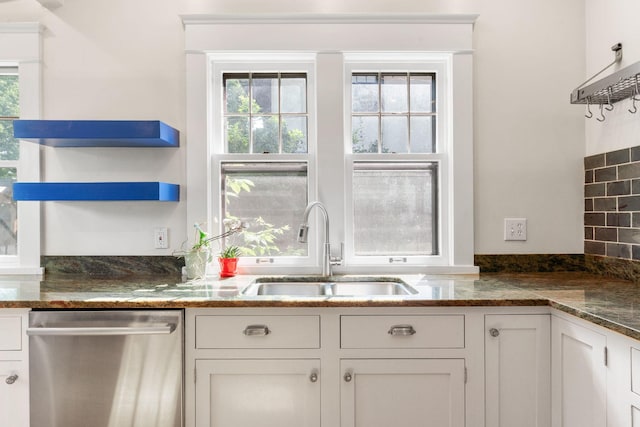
(228,260)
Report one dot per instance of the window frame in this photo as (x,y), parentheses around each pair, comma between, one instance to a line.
(20,46)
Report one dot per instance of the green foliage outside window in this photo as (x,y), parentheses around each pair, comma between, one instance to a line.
(266,128)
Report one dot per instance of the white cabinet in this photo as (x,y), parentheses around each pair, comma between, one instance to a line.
(327,367)
(517,370)
(14,368)
(384,388)
(579,375)
(623,381)
(249,369)
(258,393)
(402,393)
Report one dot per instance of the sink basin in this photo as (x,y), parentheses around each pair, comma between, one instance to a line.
(326,287)
(287,288)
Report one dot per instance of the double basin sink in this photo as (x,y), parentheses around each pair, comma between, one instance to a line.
(310,286)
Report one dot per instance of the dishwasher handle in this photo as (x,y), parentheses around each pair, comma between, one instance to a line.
(102,330)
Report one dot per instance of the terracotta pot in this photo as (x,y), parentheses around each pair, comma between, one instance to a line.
(228,266)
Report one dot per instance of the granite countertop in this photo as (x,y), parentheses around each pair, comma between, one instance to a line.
(612,303)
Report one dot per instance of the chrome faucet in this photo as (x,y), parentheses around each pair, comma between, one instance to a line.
(303,232)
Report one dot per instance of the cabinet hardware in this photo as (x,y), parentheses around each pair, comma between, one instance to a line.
(313,377)
(401,330)
(11,379)
(494,332)
(256,331)
(348,377)
(606,357)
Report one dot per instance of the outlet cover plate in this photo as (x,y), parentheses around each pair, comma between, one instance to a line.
(515,229)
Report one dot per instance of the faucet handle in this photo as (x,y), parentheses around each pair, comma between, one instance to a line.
(337,260)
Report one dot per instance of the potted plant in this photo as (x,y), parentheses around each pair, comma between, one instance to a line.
(228,260)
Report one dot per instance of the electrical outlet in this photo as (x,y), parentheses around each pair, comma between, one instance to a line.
(515,229)
(160,238)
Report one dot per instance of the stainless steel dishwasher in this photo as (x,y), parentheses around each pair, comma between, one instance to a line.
(106,368)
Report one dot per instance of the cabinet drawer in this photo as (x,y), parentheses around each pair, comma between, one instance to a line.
(402,331)
(10,333)
(257,332)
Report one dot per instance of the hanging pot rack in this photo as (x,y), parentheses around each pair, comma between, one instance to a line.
(623,84)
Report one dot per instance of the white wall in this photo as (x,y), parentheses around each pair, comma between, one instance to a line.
(608,23)
(124,59)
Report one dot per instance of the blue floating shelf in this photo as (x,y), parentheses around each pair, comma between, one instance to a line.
(97,133)
(96,191)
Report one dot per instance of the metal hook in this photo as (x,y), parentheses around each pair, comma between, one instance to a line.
(588,116)
(609,107)
(634,109)
(602,114)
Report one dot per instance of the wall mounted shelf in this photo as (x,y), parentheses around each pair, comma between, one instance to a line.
(97,133)
(96,191)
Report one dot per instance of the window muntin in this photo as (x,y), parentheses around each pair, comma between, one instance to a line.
(395,209)
(271,198)
(393,112)
(9,157)
(265,113)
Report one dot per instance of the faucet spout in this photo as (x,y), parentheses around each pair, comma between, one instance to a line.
(304,231)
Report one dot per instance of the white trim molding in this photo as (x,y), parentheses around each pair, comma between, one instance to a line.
(21,44)
(329,38)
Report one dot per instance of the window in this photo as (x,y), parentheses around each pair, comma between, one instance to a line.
(265,112)
(20,85)
(9,156)
(404,224)
(261,155)
(370,126)
(398,155)
(393,112)
(271,198)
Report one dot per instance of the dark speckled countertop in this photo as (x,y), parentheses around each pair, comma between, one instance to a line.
(612,303)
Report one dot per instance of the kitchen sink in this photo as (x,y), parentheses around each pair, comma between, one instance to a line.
(313,286)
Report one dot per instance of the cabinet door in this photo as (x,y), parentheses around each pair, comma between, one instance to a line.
(257,393)
(402,392)
(579,372)
(518,370)
(14,394)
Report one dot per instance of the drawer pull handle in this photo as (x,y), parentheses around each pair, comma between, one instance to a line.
(402,331)
(313,377)
(348,377)
(494,332)
(11,379)
(256,331)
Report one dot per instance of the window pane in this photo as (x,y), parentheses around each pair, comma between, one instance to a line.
(236,89)
(265,134)
(9,146)
(422,93)
(8,213)
(265,93)
(237,134)
(293,93)
(423,134)
(294,134)
(364,93)
(9,109)
(364,131)
(394,94)
(271,197)
(395,134)
(405,223)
